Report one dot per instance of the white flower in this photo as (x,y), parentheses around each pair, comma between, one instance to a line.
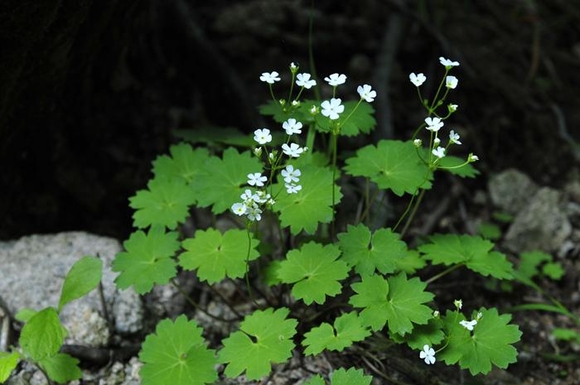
(239,208)
(261,197)
(458,304)
(451,82)
(256,179)
(290,174)
(436,141)
(313,110)
(454,137)
(428,355)
(293,150)
(258,151)
(291,126)
(433,124)
(366,92)
(248,197)
(335,79)
(468,324)
(332,108)
(262,136)
(439,152)
(417,79)
(436,314)
(447,62)
(479,315)
(270,77)
(472,158)
(292,188)
(452,107)
(303,80)
(293,67)
(417,143)
(254,213)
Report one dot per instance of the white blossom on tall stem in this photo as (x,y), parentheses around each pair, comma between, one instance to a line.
(270,77)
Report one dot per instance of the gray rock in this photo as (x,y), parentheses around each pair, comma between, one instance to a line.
(32,274)
(540,225)
(511,190)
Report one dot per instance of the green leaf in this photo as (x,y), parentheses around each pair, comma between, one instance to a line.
(265,337)
(165,203)
(23,315)
(177,354)
(43,335)
(220,182)
(397,301)
(61,368)
(311,205)
(351,376)
(348,328)
(450,163)
(411,262)
(489,231)
(489,343)
(8,362)
(315,380)
(352,122)
(392,165)
(553,270)
(147,260)
(216,255)
(185,163)
(566,334)
(473,251)
(314,271)
(430,334)
(83,277)
(368,253)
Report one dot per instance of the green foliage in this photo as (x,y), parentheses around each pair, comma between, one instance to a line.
(219,185)
(311,205)
(315,272)
(368,252)
(342,376)
(472,251)
(8,362)
(392,165)
(348,328)
(43,335)
(147,260)
(489,343)
(457,166)
(264,338)
(185,163)
(165,203)
(489,231)
(61,367)
(177,354)
(81,279)
(216,255)
(537,263)
(397,301)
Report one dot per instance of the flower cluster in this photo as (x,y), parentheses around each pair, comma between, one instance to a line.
(433,122)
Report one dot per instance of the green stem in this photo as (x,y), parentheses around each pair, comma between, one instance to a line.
(443,273)
(198,307)
(334,147)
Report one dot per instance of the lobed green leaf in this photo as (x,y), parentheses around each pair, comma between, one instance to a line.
(216,255)
(348,328)
(185,163)
(43,335)
(61,368)
(147,260)
(177,354)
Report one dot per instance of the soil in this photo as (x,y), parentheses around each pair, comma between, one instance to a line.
(78,139)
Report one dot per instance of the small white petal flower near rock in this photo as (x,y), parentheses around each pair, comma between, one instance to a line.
(293,150)
(292,126)
(270,77)
(451,82)
(439,152)
(469,325)
(256,179)
(335,79)
(366,92)
(332,108)
(290,174)
(417,79)
(262,136)
(239,208)
(303,80)
(433,124)
(254,213)
(454,137)
(448,63)
(427,355)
